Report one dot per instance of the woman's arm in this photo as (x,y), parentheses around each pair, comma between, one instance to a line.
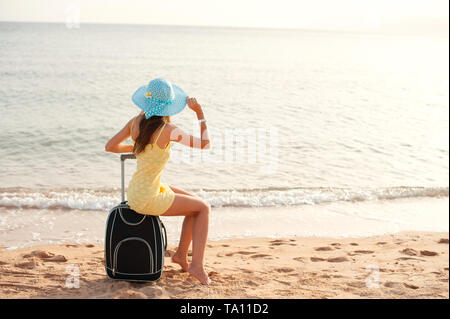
(180,136)
(115,144)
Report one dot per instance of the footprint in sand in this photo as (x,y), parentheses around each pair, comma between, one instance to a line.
(260,256)
(409,258)
(131,294)
(31,264)
(409,252)
(46,256)
(217,277)
(300,259)
(229,277)
(57,259)
(53,276)
(224,245)
(336,245)
(316,259)
(364,251)
(251,283)
(443,241)
(357,284)
(393,284)
(278,242)
(247,271)
(428,253)
(283,282)
(382,243)
(337,259)
(241,252)
(354,244)
(89,246)
(39,253)
(137,285)
(326,248)
(284,269)
(170,273)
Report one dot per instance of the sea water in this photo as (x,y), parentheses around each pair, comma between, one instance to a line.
(296,117)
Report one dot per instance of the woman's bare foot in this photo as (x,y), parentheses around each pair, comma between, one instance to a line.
(200,274)
(181,260)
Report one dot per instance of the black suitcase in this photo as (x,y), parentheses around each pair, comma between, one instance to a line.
(135,244)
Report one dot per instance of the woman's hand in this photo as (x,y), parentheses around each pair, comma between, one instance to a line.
(182,137)
(193,104)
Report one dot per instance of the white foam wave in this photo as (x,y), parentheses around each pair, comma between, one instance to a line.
(269,197)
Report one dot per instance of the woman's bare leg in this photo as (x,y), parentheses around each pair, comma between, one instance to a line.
(180,256)
(185,205)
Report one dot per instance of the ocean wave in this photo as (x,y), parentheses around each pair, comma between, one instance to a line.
(80,199)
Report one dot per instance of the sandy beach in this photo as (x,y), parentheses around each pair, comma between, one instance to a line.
(403,265)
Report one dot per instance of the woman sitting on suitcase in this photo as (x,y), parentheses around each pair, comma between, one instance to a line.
(152,134)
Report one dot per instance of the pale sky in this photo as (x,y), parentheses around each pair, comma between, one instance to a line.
(305,14)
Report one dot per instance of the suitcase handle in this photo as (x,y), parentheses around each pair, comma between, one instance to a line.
(124,157)
(165,236)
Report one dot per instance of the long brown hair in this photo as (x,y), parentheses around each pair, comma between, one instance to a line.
(146,129)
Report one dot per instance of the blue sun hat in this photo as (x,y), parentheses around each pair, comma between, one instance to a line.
(160,97)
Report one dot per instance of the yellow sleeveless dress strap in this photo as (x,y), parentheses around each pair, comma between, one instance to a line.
(159,134)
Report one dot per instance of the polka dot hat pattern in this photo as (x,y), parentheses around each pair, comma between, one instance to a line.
(160,97)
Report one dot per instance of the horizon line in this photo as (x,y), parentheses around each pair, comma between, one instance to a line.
(373,31)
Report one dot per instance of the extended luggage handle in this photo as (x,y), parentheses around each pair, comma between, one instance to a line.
(124,157)
(165,236)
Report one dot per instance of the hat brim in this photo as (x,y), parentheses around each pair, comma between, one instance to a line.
(145,104)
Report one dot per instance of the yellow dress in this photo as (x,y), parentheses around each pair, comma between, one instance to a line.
(146,194)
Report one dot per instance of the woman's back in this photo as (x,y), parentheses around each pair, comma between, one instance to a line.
(146,194)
